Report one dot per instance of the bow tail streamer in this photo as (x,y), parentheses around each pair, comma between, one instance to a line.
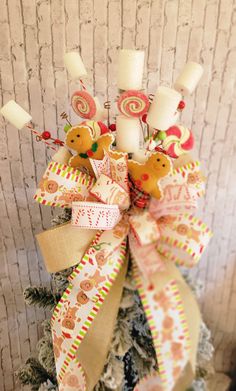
(93,351)
(174,320)
(73,328)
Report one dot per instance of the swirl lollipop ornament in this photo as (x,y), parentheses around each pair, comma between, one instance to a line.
(83,104)
(133,103)
(179,140)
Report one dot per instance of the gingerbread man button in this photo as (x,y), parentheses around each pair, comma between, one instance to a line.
(147,175)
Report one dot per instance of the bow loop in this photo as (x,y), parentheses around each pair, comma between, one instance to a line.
(108,191)
(95,215)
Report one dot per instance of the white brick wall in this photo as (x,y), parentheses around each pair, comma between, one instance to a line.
(33,38)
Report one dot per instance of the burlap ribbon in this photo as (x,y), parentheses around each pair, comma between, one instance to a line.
(165,234)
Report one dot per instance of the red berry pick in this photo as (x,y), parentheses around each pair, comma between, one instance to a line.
(144,118)
(181,105)
(46,135)
(112,127)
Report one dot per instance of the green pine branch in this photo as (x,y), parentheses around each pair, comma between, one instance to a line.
(33,373)
(46,356)
(41,296)
(62,218)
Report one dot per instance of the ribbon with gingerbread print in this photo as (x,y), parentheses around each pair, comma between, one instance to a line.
(159,237)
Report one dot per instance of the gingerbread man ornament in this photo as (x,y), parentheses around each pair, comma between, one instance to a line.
(147,175)
(80,139)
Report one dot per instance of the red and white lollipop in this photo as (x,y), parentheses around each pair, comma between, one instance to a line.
(83,104)
(133,103)
(178,141)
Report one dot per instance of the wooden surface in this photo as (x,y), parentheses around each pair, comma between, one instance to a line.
(34,34)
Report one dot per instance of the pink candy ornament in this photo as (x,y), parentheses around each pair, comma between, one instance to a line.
(178,141)
(83,104)
(133,103)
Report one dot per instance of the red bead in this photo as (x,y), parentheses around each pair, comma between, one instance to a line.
(138,183)
(144,118)
(58,142)
(46,135)
(90,153)
(144,177)
(103,127)
(181,105)
(112,127)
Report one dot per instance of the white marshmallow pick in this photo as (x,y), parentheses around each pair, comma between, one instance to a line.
(189,78)
(74,65)
(14,113)
(130,69)
(128,132)
(162,112)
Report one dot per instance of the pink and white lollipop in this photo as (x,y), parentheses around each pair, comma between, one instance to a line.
(133,103)
(179,140)
(83,104)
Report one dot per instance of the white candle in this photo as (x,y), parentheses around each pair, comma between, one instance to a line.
(189,78)
(74,65)
(15,114)
(62,156)
(127,134)
(141,155)
(130,69)
(163,108)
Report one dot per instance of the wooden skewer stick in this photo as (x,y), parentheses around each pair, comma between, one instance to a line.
(107,106)
(65,116)
(150,97)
